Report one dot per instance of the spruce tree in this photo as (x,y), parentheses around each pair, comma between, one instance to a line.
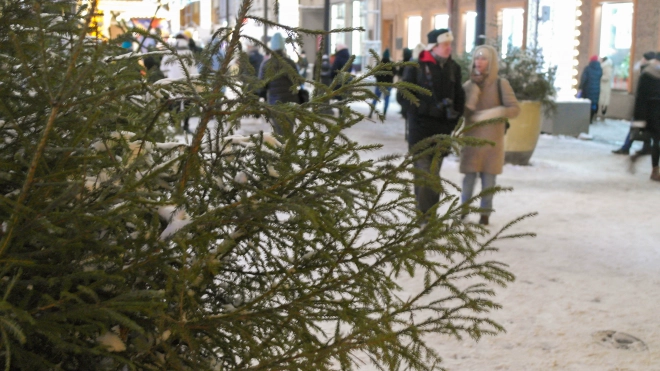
(121,248)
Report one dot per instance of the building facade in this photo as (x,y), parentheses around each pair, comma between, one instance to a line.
(111,14)
(568,32)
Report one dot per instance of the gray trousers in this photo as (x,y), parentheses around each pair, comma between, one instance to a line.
(426,196)
(487,181)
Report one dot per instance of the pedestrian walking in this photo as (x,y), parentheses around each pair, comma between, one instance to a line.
(437,113)
(177,66)
(407,56)
(342,55)
(638,69)
(590,84)
(605,85)
(647,111)
(303,64)
(255,58)
(279,89)
(192,45)
(487,97)
(326,70)
(152,69)
(383,78)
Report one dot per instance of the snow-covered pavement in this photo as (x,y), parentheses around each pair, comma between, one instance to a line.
(594,266)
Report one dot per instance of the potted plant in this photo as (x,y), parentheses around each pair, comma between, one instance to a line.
(533,84)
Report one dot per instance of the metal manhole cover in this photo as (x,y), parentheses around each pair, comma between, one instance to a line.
(619,340)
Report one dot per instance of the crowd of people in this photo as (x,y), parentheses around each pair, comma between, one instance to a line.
(485,97)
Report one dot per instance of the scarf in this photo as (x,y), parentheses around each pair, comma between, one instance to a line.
(478,79)
(441,61)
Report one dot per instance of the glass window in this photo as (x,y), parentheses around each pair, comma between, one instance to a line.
(337,20)
(288,16)
(615,40)
(512,29)
(414,31)
(356,40)
(556,39)
(441,21)
(470,29)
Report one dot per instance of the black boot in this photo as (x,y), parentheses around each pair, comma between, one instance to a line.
(621,151)
(186,127)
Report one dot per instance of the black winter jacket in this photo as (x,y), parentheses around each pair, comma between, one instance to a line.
(386,77)
(279,89)
(647,99)
(341,58)
(431,116)
(326,72)
(256,59)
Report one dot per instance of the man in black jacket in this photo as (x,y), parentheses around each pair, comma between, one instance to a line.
(437,113)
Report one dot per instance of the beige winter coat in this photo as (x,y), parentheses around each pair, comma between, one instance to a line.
(605,84)
(483,103)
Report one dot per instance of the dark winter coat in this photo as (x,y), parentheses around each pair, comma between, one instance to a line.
(647,99)
(326,72)
(430,117)
(193,46)
(279,89)
(256,59)
(590,82)
(407,56)
(388,78)
(341,58)
(153,69)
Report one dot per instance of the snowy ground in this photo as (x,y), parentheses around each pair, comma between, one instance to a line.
(593,266)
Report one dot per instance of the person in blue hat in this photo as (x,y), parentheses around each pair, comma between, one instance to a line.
(279,89)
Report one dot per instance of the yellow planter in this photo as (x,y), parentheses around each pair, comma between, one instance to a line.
(520,140)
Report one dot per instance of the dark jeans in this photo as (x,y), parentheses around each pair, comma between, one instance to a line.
(655,149)
(282,126)
(427,197)
(628,142)
(180,105)
(387,98)
(594,110)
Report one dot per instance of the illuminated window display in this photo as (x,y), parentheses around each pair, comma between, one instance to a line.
(441,21)
(557,39)
(470,25)
(358,21)
(512,29)
(338,20)
(616,39)
(414,31)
